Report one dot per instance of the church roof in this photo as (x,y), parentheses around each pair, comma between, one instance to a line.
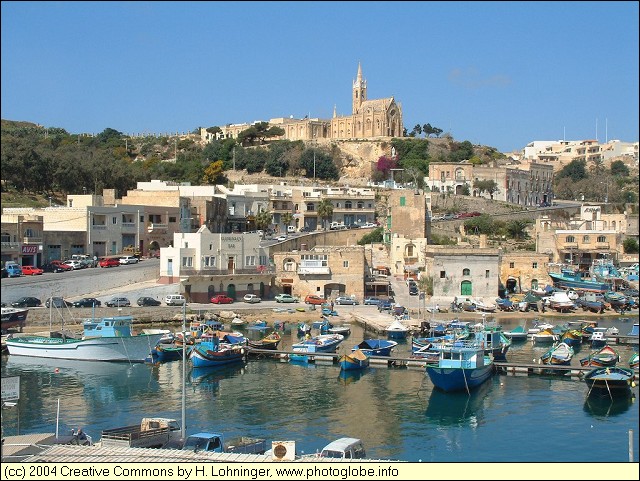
(377,105)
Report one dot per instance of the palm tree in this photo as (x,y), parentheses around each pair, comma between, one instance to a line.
(325,211)
(263,220)
(287,217)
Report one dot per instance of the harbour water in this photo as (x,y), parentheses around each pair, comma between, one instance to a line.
(395,411)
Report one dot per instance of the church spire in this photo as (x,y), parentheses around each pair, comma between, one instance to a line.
(334,111)
(359,94)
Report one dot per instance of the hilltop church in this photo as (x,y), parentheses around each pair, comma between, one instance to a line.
(369,119)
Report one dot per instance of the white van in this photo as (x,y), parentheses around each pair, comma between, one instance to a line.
(291,229)
(174,300)
(344,448)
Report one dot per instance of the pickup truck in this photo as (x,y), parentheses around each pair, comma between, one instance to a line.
(215,443)
(150,433)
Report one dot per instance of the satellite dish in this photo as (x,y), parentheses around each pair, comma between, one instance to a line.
(283,450)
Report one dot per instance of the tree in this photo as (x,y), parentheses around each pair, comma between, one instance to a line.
(575,170)
(488,186)
(287,218)
(325,211)
(517,228)
(264,219)
(619,168)
(375,236)
(213,173)
(417,130)
(317,162)
(630,246)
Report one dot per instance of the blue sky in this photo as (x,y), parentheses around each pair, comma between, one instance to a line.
(494,73)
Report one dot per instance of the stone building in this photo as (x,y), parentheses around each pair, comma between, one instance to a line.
(521,271)
(406,214)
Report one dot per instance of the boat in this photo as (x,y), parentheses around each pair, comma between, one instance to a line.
(559,355)
(269,342)
(605,357)
(603,270)
(344,329)
(397,330)
(355,360)
(572,337)
(516,334)
(544,336)
(163,352)
(258,326)
(633,361)
(599,336)
(611,381)
(634,330)
(303,329)
(462,365)
(13,317)
(321,343)
(591,301)
(215,353)
(560,301)
(571,278)
(105,339)
(237,322)
(376,347)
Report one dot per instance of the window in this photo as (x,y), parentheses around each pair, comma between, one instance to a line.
(601,238)
(512,265)
(347,205)
(443,274)
(187,262)
(534,265)
(402,201)
(345,264)
(208,261)
(570,238)
(250,260)
(486,273)
(114,220)
(585,239)
(466,272)
(172,219)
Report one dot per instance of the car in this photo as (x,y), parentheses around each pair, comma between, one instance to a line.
(413,290)
(315,300)
(251,298)
(305,229)
(346,301)
(75,264)
(57,302)
(31,271)
(128,260)
(109,262)
(147,301)
(175,300)
(27,301)
(87,302)
(371,301)
(118,302)
(286,298)
(368,225)
(13,270)
(281,238)
(56,266)
(544,204)
(385,305)
(221,299)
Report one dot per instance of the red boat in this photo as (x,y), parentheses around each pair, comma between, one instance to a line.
(605,357)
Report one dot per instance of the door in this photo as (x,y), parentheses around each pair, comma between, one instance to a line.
(231,291)
(465,288)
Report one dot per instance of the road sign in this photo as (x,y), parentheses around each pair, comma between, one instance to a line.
(10,388)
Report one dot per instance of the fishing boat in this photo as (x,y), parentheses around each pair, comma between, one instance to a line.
(215,353)
(634,330)
(559,355)
(517,334)
(599,336)
(13,317)
(605,357)
(269,342)
(344,330)
(572,337)
(545,336)
(321,343)
(634,361)
(376,347)
(163,352)
(105,339)
(355,360)
(571,278)
(258,326)
(303,329)
(462,365)
(560,301)
(611,381)
(397,330)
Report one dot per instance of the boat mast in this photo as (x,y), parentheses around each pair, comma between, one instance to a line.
(183,432)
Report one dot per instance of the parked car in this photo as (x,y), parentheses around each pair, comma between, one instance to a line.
(75,264)
(371,301)
(147,301)
(413,290)
(251,298)
(175,300)
(31,271)
(281,238)
(57,302)
(56,266)
(385,305)
(286,298)
(346,301)
(128,260)
(27,302)
(109,262)
(13,270)
(118,302)
(221,299)
(315,300)
(368,225)
(87,302)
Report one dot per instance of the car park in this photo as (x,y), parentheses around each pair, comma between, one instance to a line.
(87,302)
(251,298)
(346,301)
(175,300)
(221,299)
(58,302)
(315,300)
(109,262)
(146,301)
(128,260)
(27,301)
(286,298)
(118,302)
(31,271)
(371,301)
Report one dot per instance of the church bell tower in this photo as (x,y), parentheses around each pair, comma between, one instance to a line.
(359,91)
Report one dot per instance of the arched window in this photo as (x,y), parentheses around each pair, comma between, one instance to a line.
(570,238)
(347,205)
(289,265)
(602,238)
(360,205)
(409,250)
(466,272)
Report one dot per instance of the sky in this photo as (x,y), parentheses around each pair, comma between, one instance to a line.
(500,74)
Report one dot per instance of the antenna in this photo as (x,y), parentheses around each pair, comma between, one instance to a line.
(596,128)
(606,131)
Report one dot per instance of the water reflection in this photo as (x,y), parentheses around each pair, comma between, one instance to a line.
(604,406)
(457,408)
(349,377)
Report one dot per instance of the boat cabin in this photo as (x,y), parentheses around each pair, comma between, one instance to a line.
(118,326)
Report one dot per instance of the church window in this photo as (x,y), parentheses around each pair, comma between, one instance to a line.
(347,204)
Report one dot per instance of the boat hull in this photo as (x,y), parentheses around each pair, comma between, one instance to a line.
(13,318)
(610,381)
(202,357)
(458,379)
(112,349)
(348,363)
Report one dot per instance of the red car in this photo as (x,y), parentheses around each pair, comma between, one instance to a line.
(109,262)
(221,299)
(31,271)
(315,300)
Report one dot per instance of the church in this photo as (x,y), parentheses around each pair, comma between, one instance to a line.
(369,119)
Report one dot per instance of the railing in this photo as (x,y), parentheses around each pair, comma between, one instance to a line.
(314,270)
(157,227)
(602,245)
(32,240)
(99,227)
(10,245)
(205,271)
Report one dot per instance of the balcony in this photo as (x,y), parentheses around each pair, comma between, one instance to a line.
(570,245)
(7,246)
(602,245)
(99,227)
(157,228)
(32,240)
(319,270)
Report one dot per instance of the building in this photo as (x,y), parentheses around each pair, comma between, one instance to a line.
(369,119)
(521,271)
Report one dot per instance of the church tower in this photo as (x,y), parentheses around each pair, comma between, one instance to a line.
(359,91)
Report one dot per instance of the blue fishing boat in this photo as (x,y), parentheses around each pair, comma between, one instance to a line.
(574,279)
(376,347)
(355,360)
(397,330)
(634,361)
(572,337)
(610,381)
(214,353)
(559,355)
(461,365)
(321,343)
(516,334)
(168,352)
